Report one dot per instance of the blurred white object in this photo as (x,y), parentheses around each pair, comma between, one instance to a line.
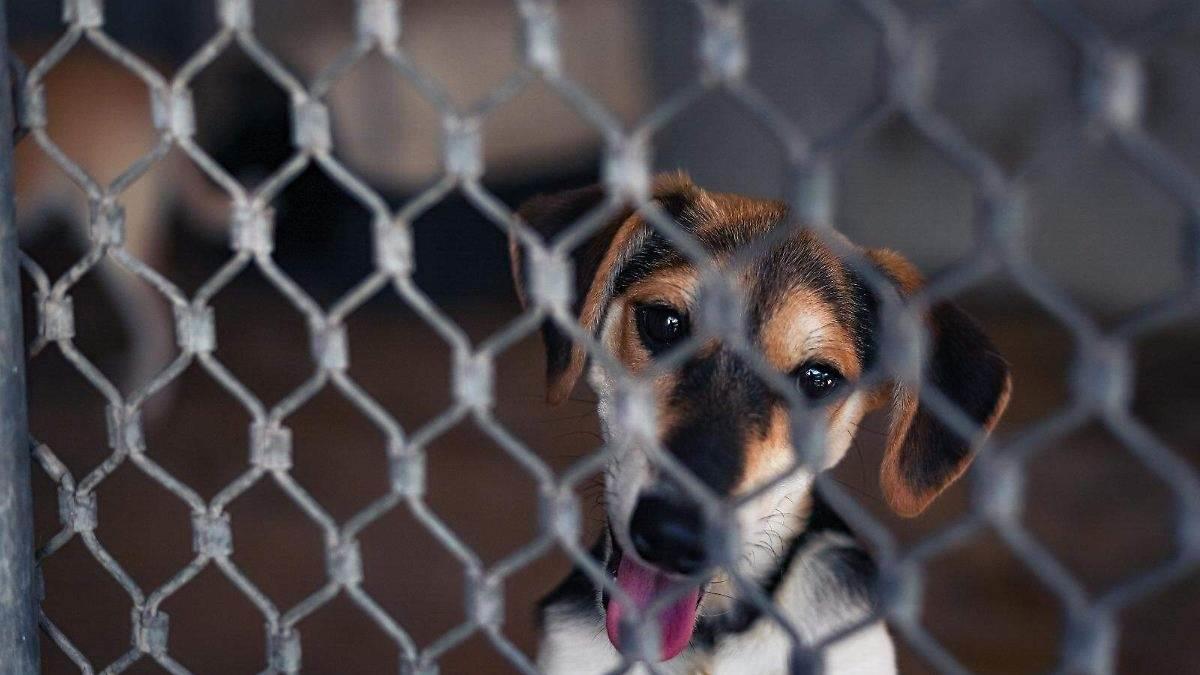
(383,127)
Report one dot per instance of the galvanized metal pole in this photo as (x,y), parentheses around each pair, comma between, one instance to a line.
(18,604)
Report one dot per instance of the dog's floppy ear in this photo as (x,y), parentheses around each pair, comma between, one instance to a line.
(597,263)
(923,456)
(548,215)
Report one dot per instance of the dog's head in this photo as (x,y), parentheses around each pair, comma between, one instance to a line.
(814,319)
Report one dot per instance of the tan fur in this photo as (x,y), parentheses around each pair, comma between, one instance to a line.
(895,491)
(769,456)
(906,276)
(830,342)
(592,310)
(674,287)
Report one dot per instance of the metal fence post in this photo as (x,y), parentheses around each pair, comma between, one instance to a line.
(18,604)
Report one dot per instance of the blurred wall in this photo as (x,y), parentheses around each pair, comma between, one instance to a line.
(1009,81)
(1096,225)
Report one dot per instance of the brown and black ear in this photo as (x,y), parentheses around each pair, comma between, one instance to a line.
(923,455)
(597,263)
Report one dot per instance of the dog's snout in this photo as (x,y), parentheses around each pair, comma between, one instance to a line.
(668,535)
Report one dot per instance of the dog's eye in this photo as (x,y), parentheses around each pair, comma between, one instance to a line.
(818,380)
(660,326)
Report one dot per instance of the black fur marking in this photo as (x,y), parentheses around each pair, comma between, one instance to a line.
(723,404)
(864,308)
(655,252)
(577,592)
(855,571)
(968,370)
(794,264)
(654,255)
(548,215)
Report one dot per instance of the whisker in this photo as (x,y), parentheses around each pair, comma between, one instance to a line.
(579,432)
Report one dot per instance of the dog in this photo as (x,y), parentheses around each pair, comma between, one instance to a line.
(818,321)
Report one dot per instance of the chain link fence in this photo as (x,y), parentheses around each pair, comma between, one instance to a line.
(1112,93)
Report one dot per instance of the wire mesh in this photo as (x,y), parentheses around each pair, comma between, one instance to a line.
(1112,92)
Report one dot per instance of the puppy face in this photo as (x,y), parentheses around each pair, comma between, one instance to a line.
(715,413)
(808,318)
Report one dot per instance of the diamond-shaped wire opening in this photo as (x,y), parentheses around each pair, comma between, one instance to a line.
(560,435)
(858,476)
(87,93)
(339,456)
(746,136)
(322,236)
(1102,540)
(278,22)
(676,28)
(499,514)
(1006,95)
(250,309)
(179,35)
(123,325)
(468,63)
(979,600)
(610,65)
(443,255)
(134,510)
(203,434)
(243,117)
(385,129)
(83,444)
(819,62)
(100,627)
(571,144)
(894,184)
(55,235)
(211,606)
(1039,349)
(326,634)
(1086,198)
(276,546)
(192,242)
(1152,630)
(389,340)
(412,576)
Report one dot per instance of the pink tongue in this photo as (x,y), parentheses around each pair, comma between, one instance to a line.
(643,585)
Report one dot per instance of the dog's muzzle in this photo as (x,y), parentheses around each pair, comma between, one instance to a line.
(669,535)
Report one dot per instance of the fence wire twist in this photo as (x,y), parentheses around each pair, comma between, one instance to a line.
(1112,94)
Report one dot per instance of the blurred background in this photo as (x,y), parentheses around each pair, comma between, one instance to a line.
(1098,228)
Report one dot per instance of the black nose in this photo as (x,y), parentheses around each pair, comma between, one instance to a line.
(668,535)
